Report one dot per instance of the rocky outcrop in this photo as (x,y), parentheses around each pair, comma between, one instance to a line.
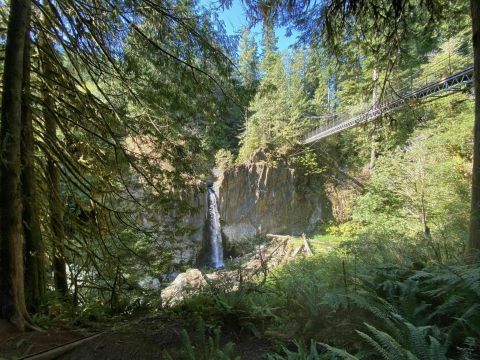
(264,196)
(259,197)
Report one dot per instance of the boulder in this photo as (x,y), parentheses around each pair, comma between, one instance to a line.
(185,284)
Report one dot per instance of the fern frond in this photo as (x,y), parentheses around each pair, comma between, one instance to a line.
(417,341)
(342,354)
(385,345)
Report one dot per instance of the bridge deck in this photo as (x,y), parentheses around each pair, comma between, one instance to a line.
(452,82)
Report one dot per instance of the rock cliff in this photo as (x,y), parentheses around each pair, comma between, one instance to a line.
(264,196)
(181,231)
(259,197)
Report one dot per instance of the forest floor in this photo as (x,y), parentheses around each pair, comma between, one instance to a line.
(15,345)
(151,337)
(155,337)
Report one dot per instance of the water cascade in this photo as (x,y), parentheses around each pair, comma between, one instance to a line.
(216,251)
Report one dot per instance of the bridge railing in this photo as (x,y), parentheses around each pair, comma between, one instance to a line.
(396,93)
(447,64)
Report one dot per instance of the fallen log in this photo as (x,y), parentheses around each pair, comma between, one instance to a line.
(307,246)
(55,352)
(279,237)
(297,250)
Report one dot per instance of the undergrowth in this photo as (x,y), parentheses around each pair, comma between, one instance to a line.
(205,348)
(335,306)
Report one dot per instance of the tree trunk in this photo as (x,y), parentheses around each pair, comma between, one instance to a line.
(52,171)
(12,297)
(34,251)
(374,137)
(474,240)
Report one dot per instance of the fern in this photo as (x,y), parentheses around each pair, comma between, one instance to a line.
(300,354)
(339,353)
(385,345)
(416,339)
(208,348)
(188,349)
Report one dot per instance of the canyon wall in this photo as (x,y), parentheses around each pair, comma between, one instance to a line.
(264,196)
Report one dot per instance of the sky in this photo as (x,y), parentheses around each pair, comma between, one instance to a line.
(235,19)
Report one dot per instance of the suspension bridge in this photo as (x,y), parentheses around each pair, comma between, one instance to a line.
(453,71)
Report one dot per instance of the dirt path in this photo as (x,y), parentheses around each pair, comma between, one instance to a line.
(148,338)
(14,344)
(151,338)
(144,340)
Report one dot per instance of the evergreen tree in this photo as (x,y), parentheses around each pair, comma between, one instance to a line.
(12,290)
(248,63)
(278,109)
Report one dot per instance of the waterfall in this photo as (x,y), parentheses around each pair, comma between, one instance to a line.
(216,251)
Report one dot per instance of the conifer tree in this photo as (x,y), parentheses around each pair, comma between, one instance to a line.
(35,282)
(248,63)
(12,290)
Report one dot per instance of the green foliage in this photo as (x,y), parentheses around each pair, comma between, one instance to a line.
(276,112)
(248,64)
(419,193)
(140,130)
(300,354)
(307,163)
(347,230)
(222,303)
(347,306)
(224,160)
(417,313)
(141,98)
(206,348)
(195,114)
